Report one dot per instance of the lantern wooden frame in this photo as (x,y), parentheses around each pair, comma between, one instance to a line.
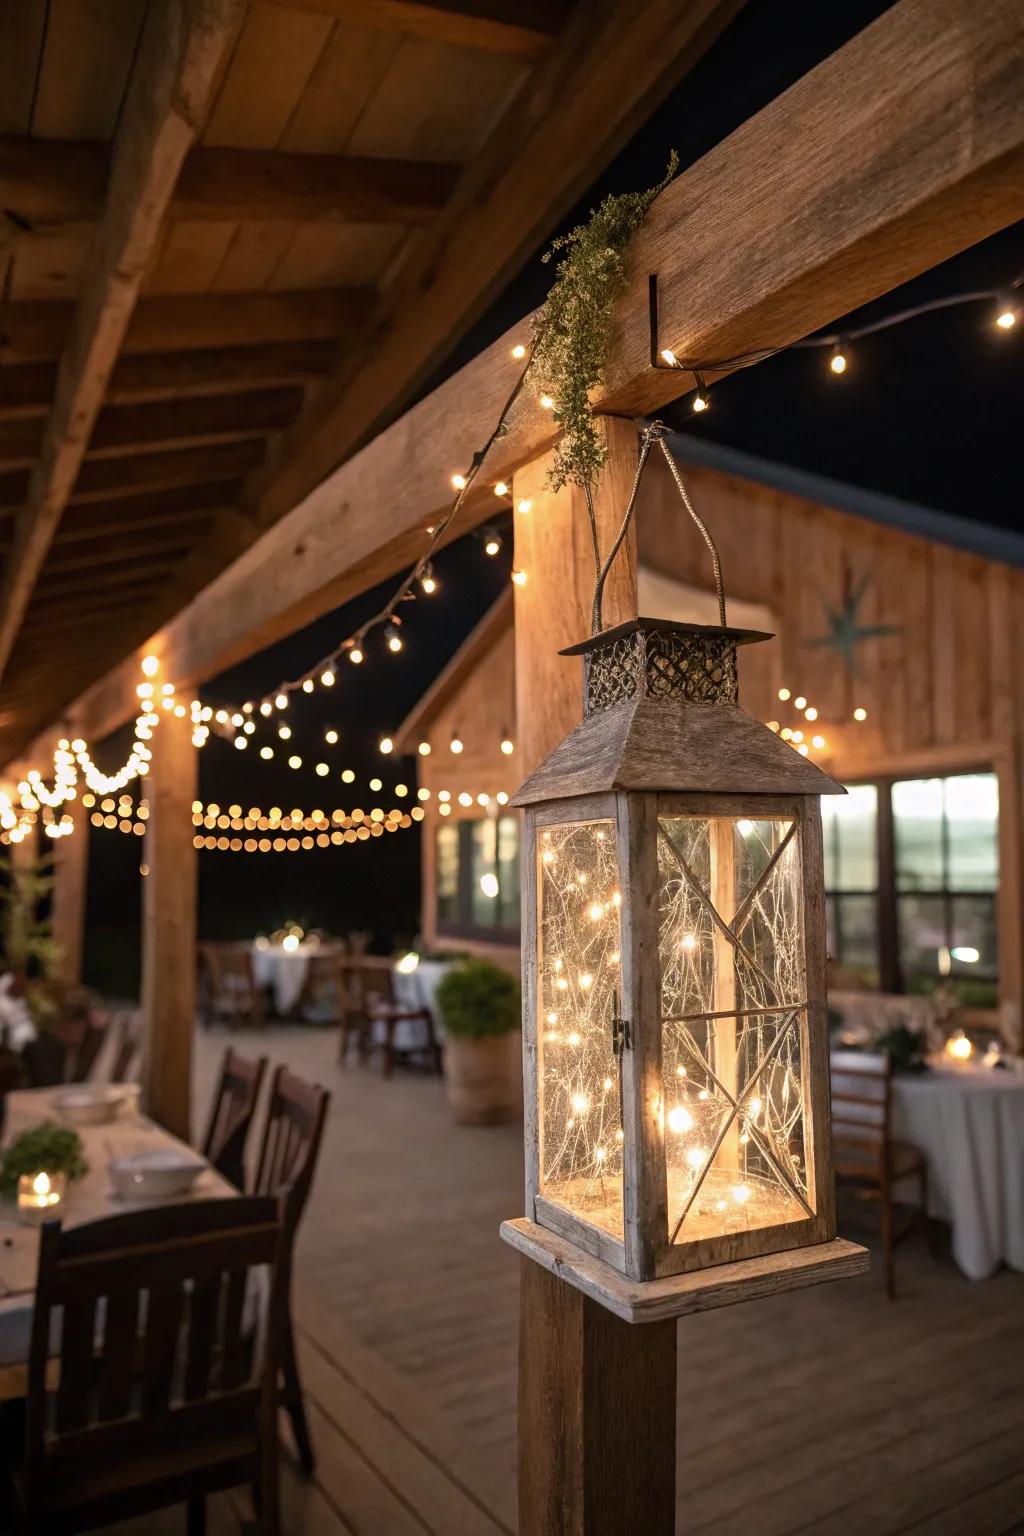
(664,751)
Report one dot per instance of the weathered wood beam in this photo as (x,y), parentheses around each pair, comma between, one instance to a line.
(134,514)
(613,62)
(38,329)
(51,182)
(524,28)
(129,429)
(364,521)
(98,478)
(183,47)
(27,390)
(112,551)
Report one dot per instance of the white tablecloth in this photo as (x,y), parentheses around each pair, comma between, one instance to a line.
(418,988)
(283,971)
(969,1123)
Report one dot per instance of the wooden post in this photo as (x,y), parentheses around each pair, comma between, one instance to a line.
(597,1416)
(169,926)
(67,912)
(597,1396)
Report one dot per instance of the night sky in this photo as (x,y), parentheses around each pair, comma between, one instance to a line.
(928,412)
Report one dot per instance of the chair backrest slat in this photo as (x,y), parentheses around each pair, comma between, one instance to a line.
(117,1359)
(160,1346)
(292,1136)
(861,1108)
(233,1347)
(231,1115)
(74,1391)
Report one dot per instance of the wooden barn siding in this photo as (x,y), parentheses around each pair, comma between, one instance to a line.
(482,710)
(950,675)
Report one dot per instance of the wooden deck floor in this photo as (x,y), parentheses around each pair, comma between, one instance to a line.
(829,1411)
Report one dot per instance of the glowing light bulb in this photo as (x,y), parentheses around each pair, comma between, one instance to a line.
(424,749)
(327,677)
(580,1103)
(799,702)
(492,544)
(546,403)
(680,1120)
(596,912)
(284,731)
(355,655)
(459,482)
(519,578)
(1007,317)
(150,666)
(688,941)
(501,489)
(489,885)
(281,701)
(266,707)
(701,401)
(837,362)
(600,1153)
(266,752)
(518,351)
(744,828)
(574,1038)
(696,1157)
(507,746)
(586,980)
(810,713)
(668,356)
(295,762)
(817,742)
(455,745)
(241,742)
(754,1109)
(860,714)
(428,581)
(784,694)
(386,745)
(322,770)
(393,639)
(741,1193)
(523,505)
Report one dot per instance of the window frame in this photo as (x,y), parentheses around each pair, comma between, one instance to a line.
(462,926)
(891,978)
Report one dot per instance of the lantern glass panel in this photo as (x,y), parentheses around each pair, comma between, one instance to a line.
(580,1110)
(733,996)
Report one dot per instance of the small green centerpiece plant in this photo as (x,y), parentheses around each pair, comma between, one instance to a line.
(480,1009)
(46,1148)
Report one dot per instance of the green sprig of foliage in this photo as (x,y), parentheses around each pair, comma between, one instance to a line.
(477,999)
(46,1148)
(572,331)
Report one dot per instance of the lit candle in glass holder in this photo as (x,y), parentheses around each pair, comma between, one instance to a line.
(40,1195)
(959,1047)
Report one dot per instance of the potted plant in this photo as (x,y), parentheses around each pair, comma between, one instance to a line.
(481,1010)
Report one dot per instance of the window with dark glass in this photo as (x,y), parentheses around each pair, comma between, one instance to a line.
(911,874)
(477,877)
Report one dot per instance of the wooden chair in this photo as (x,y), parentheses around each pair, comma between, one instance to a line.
(385,1013)
(127,1029)
(228,986)
(866,1159)
(291,1146)
(167,1391)
(234,1105)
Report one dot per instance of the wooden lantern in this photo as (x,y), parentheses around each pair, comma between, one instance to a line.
(676,1049)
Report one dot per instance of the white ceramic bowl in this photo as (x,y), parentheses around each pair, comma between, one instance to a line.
(156,1175)
(91,1103)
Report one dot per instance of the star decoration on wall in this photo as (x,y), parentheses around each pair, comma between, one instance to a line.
(845,632)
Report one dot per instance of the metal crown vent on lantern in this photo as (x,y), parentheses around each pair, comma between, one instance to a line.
(675,1029)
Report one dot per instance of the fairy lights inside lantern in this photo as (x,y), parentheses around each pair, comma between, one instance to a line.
(674,998)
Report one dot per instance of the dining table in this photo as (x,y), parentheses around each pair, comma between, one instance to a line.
(89,1198)
(968,1120)
(282,969)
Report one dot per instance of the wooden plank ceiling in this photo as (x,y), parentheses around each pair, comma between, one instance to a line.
(219,221)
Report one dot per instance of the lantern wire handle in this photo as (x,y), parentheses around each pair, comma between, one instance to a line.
(656,433)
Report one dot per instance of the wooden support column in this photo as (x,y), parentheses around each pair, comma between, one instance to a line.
(553,548)
(597,1416)
(169,926)
(67,911)
(597,1396)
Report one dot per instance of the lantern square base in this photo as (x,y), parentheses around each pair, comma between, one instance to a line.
(721,1285)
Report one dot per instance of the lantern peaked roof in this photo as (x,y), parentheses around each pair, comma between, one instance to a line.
(646,743)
